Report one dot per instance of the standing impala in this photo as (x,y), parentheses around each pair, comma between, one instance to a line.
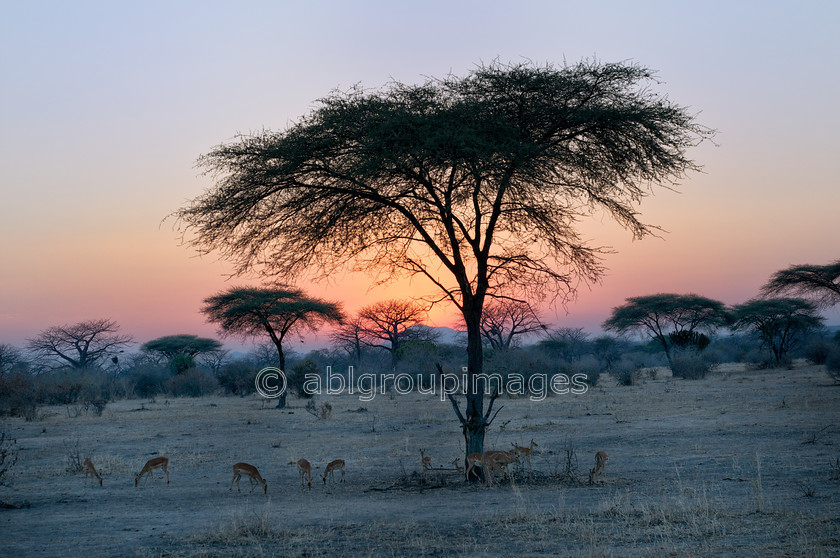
(305,470)
(90,470)
(253,476)
(525,452)
(330,470)
(161,462)
(600,466)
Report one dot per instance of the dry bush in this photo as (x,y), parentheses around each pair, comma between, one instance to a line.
(8,456)
(322,411)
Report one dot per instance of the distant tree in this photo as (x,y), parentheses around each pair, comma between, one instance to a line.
(181,350)
(566,343)
(348,337)
(277,312)
(476,183)
(388,324)
(820,283)
(11,360)
(505,321)
(80,345)
(667,317)
(780,323)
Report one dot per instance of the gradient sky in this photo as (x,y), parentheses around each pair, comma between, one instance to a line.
(105,106)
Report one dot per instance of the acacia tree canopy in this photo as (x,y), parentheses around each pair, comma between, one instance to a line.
(665,315)
(779,322)
(476,183)
(820,282)
(273,311)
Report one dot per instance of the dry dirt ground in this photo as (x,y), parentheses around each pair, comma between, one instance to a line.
(742,463)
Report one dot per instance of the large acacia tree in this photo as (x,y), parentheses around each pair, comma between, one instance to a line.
(476,183)
(275,311)
(669,318)
(818,282)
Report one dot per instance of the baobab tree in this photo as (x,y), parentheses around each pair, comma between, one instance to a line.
(476,183)
(79,345)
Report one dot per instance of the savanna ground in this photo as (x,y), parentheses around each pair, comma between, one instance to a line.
(741,463)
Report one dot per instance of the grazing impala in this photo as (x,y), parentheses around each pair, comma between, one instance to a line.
(525,451)
(600,466)
(162,462)
(90,470)
(305,470)
(253,476)
(330,470)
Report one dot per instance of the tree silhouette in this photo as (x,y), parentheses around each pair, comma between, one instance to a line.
(667,317)
(505,320)
(79,345)
(181,350)
(780,323)
(388,324)
(475,183)
(273,311)
(819,282)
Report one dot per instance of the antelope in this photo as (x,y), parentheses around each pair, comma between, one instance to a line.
(425,460)
(90,470)
(458,467)
(154,463)
(330,470)
(253,476)
(600,466)
(500,460)
(525,451)
(305,470)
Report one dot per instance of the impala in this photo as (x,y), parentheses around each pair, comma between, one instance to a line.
(305,470)
(162,462)
(473,459)
(458,467)
(90,470)
(425,460)
(253,476)
(600,466)
(499,460)
(330,470)
(525,451)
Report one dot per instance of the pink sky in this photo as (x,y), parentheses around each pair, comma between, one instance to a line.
(105,108)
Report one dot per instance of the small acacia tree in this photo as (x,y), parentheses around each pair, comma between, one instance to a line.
(780,323)
(668,318)
(475,183)
(273,311)
(818,282)
(181,350)
(80,345)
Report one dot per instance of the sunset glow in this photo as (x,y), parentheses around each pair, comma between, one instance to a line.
(106,107)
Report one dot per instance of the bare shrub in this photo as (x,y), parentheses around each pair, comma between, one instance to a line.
(18,397)
(74,457)
(193,383)
(626,372)
(589,366)
(322,411)
(832,364)
(690,366)
(8,456)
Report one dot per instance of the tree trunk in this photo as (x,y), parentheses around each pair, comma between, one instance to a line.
(475,423)
(281,401)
